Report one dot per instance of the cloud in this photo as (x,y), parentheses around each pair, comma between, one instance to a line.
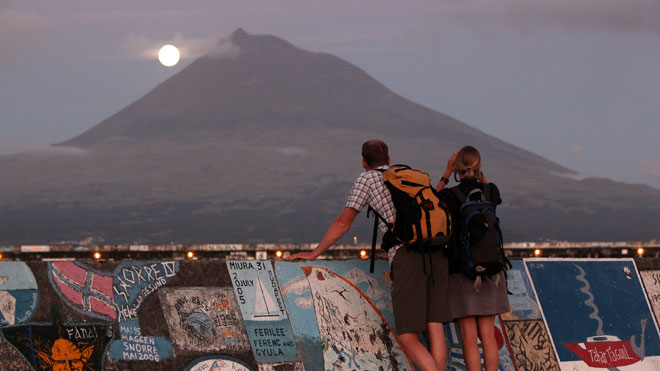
(64,151)
(620,15)
(574,176)
(143,47)
(225,49)
(20,32)
(297,286)
(8,149)
(577,151)
(292,151)
(304,302)
(651,170)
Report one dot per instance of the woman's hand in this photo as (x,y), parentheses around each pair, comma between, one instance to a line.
(451,167)
(451,164)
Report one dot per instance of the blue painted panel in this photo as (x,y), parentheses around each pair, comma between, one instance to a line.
(19,295)
(262,307)
(521,296)
(349,280)
(133,282)
(585,300)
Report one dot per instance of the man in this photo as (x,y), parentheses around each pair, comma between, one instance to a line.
(419,299)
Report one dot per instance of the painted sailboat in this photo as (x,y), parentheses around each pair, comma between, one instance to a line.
(265,308)
(604,351)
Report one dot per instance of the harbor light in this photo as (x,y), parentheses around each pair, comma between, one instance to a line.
(97,256)
(640,251)
(0,256)
(190,254)
(537,252)
(278,253)
(363,254)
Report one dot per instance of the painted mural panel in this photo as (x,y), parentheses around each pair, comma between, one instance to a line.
(521,296)
(117,296)
(202,319)
(455,359)
(530,345)
(596,313)
(19,295)
(342,314)
(61,346)
(262,307)
(652,284)
(218,363)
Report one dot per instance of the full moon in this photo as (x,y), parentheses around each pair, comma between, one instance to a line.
(169,55)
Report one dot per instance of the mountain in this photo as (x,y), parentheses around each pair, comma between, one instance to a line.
(259,141)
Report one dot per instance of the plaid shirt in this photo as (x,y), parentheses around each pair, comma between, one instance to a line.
(369,189)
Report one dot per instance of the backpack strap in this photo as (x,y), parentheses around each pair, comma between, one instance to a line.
(374,236)
(476,190)
(486,191)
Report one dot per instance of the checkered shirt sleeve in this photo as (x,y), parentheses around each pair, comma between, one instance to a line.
(369,189)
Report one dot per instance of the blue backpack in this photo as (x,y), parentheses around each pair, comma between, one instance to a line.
(480,250)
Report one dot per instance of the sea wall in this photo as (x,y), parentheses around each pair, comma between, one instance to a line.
(568,314)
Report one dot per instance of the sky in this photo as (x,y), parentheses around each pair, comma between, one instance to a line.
(575,81)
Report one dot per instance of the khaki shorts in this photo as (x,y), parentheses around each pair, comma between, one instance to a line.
(418,298)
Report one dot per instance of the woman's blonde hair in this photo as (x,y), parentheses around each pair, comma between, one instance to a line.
(468,163)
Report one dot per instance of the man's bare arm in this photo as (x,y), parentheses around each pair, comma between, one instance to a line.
(338,228)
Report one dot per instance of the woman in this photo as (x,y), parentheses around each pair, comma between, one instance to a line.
(475,309)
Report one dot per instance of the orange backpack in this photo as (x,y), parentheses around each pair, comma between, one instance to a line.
(422,219)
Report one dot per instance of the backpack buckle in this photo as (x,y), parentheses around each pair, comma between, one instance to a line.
(427,205)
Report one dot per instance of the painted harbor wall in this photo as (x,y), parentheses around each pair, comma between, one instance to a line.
(567,314)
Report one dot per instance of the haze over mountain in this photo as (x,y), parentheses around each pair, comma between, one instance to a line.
(259,141)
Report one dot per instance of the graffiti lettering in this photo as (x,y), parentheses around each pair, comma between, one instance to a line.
(276,291)
(128,277)
(269,352)
(239,283)
(241,265)
(269,332)
(123,288)
(618,354)
(138,274)
(598,357)
(132,284)
(180,303)
(656,278)
(129,312)
(135,347)
(610,355)
(138,339)
(226,320)
(79,333)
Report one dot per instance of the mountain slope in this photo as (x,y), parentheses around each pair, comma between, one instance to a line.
(262,145)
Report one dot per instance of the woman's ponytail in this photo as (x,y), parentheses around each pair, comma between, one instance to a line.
(468,163)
